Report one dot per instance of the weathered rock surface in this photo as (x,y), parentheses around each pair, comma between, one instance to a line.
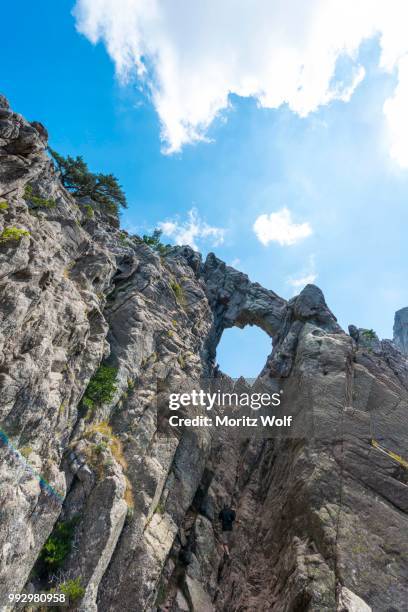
(401,330)
(322,513)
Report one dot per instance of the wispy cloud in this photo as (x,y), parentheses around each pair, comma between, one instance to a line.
(306,276)
(279,227)
(395,110)
(192,231)
(298,283)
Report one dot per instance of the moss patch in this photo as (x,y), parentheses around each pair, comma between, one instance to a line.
(12,234)
(25,451)
(89,211)
(159,508)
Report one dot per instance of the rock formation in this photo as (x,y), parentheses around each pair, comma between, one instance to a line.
(401,330)
(322,514)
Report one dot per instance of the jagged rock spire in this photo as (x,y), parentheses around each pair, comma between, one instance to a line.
(401,329)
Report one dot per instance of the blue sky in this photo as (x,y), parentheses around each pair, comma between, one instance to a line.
(331,169)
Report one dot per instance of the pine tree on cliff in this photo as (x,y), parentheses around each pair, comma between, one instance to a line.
(77,179)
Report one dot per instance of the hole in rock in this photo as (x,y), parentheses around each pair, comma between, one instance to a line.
(243,352)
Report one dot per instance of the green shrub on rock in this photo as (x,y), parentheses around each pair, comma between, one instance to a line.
(369,334)
(178,292)
(12,234)
(35,200)
(154,242)
(89,211)
(73,589)
(59,544)
(123,238)
(101,388)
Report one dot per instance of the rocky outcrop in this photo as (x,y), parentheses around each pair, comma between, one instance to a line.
(322,512)
(235,301)
(401,330)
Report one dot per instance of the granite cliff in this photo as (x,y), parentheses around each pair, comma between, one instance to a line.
(90,317)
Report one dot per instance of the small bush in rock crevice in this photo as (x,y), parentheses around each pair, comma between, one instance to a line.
(154,242)
(369,334)
(73,589)
(89,211)
(35,200)
(101,388)
(12,234)
(59,544)
(178,292)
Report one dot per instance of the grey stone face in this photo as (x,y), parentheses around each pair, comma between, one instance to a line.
(401,330)
(321,518)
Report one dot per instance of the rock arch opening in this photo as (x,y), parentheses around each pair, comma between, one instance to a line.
(243,351)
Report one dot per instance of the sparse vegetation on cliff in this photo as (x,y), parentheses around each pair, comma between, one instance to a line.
(12,234)
(178,292)
(104,189)
(89,211)
(73,589)
(154,241)
(59,545)
(101,388)
(286,491)
(36,201)
(113,443)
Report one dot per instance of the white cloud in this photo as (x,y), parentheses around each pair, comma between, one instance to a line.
(192,230)
(395,110)
(279,227)
(192,55)
(307,276)
(301,282)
